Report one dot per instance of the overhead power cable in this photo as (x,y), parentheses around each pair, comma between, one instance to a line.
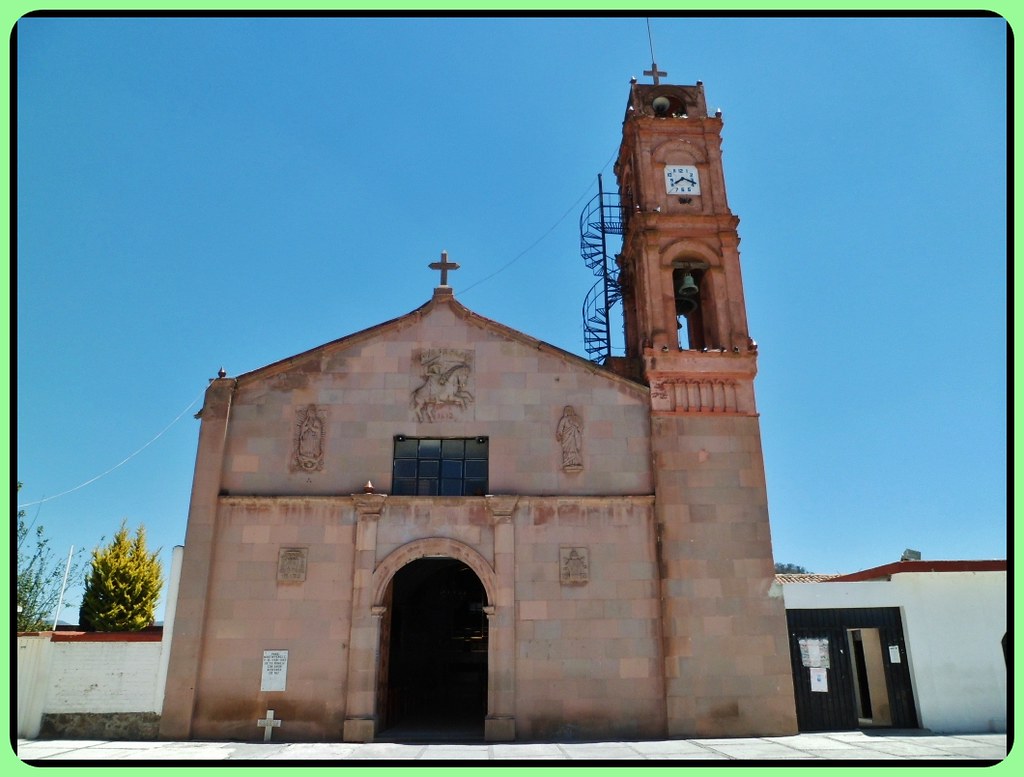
(120,463)
(536,242)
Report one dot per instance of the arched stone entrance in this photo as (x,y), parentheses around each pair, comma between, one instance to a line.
(432,675)
(372,587)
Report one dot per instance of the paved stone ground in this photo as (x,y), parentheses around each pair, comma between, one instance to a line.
(835,746)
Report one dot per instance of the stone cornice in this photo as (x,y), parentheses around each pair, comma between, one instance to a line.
(698,364)
(454,501)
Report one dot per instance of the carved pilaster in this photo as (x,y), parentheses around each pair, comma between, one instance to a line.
(360,715)
(500,725)
(200,541)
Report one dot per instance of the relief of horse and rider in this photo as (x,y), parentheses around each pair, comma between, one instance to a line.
(446,375)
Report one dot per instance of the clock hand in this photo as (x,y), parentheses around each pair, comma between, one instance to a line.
(684,178)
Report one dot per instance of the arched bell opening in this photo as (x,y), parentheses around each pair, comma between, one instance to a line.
(688,286)
(434,646)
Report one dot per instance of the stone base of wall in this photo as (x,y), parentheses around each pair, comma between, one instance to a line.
(135,726)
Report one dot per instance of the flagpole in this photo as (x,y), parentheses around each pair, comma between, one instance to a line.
(60,599)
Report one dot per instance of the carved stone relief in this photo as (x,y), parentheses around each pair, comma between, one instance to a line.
(574,566)
(291,564)
(310,428)
(446,388)
(569,434)
(704,395)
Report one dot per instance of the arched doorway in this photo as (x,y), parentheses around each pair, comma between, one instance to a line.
(432,681)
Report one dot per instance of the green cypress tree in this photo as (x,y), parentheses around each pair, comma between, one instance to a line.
(122,585)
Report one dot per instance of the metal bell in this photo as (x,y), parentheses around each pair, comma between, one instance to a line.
(688,288)
(687,296)
(685,305)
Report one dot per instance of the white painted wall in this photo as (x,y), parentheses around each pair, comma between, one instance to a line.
(107,676)
(954,623)
(84,677)
(177,555)
(103,677)
(34,657)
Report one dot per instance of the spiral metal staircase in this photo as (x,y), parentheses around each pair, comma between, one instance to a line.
(601,217)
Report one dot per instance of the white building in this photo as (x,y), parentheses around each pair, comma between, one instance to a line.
(907,644)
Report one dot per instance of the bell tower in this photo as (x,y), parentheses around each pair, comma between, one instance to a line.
(679,267)
(726,652)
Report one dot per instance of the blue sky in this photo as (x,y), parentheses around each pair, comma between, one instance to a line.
(198,193)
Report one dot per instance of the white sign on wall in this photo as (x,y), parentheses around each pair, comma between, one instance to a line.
(275,670)
(894,654)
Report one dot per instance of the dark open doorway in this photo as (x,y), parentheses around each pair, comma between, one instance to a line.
(433,673)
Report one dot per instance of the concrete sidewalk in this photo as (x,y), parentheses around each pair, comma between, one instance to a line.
(833,746)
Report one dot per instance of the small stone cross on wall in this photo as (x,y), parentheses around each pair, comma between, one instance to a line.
(268,724)
(444,266)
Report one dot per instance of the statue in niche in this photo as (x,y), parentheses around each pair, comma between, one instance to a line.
(445,385)
(570,434)
(309,439)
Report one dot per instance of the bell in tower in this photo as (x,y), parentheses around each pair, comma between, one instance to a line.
(690,326)
(687,295)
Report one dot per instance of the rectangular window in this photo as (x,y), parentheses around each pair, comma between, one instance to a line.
(426,466)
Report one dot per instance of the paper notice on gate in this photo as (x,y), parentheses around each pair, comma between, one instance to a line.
(819,680)
(814,652)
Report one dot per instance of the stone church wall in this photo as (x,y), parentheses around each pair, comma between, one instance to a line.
(726,647)
(258,606)
(284,455)
(362,393)
(586,613)
(407,519)
(588,655)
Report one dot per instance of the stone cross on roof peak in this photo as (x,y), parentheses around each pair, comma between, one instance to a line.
(444,266)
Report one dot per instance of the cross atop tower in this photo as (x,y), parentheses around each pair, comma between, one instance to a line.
(444,266)
(654,72)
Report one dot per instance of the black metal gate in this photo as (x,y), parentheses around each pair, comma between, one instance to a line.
(824,676)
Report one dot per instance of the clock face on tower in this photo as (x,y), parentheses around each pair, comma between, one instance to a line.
(681,179)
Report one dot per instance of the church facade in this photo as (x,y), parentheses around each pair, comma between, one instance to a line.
(443,524)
